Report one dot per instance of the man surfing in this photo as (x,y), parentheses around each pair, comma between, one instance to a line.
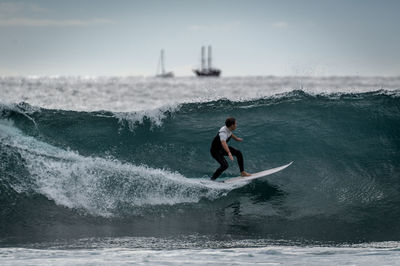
(220,148)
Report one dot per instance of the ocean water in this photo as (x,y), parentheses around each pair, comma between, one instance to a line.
(100,170)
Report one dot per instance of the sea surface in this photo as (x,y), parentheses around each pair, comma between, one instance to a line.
(115,170)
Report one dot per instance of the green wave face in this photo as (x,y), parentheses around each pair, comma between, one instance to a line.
(146,173)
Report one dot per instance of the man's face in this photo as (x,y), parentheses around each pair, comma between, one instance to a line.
(233,127)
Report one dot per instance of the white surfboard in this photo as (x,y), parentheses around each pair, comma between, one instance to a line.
(257,175)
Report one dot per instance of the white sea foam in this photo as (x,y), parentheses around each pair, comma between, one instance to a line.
(268,255)
(134,99)
(101,185)
(156,116)
(130,94)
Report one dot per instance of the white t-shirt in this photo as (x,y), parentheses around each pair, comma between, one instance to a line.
(224,133)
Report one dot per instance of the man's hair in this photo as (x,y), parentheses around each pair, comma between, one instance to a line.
(230,121)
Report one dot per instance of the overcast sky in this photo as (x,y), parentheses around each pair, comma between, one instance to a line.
(299,37)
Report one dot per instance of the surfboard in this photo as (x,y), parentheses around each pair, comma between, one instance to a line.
(257,175)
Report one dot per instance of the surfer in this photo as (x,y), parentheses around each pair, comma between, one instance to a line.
(220,148)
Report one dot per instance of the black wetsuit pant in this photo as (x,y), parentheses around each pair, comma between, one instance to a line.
(218,155)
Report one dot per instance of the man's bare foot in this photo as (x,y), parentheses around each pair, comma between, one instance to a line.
(245,174)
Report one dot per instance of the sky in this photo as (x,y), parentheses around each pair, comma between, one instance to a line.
(248,37)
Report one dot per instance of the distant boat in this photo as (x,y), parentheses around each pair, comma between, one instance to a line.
(161,73)
(206,71)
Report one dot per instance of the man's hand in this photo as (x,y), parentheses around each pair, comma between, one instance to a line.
(230,156)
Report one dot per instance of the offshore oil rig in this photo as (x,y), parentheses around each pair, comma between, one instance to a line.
(206,70)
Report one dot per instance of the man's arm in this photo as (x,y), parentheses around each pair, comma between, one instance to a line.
(236,138)
(226,148)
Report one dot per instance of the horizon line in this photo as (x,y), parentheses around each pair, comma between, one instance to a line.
(195,77)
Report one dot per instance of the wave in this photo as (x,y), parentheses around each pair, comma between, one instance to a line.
(346,149)
(99,186)
(125,94)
